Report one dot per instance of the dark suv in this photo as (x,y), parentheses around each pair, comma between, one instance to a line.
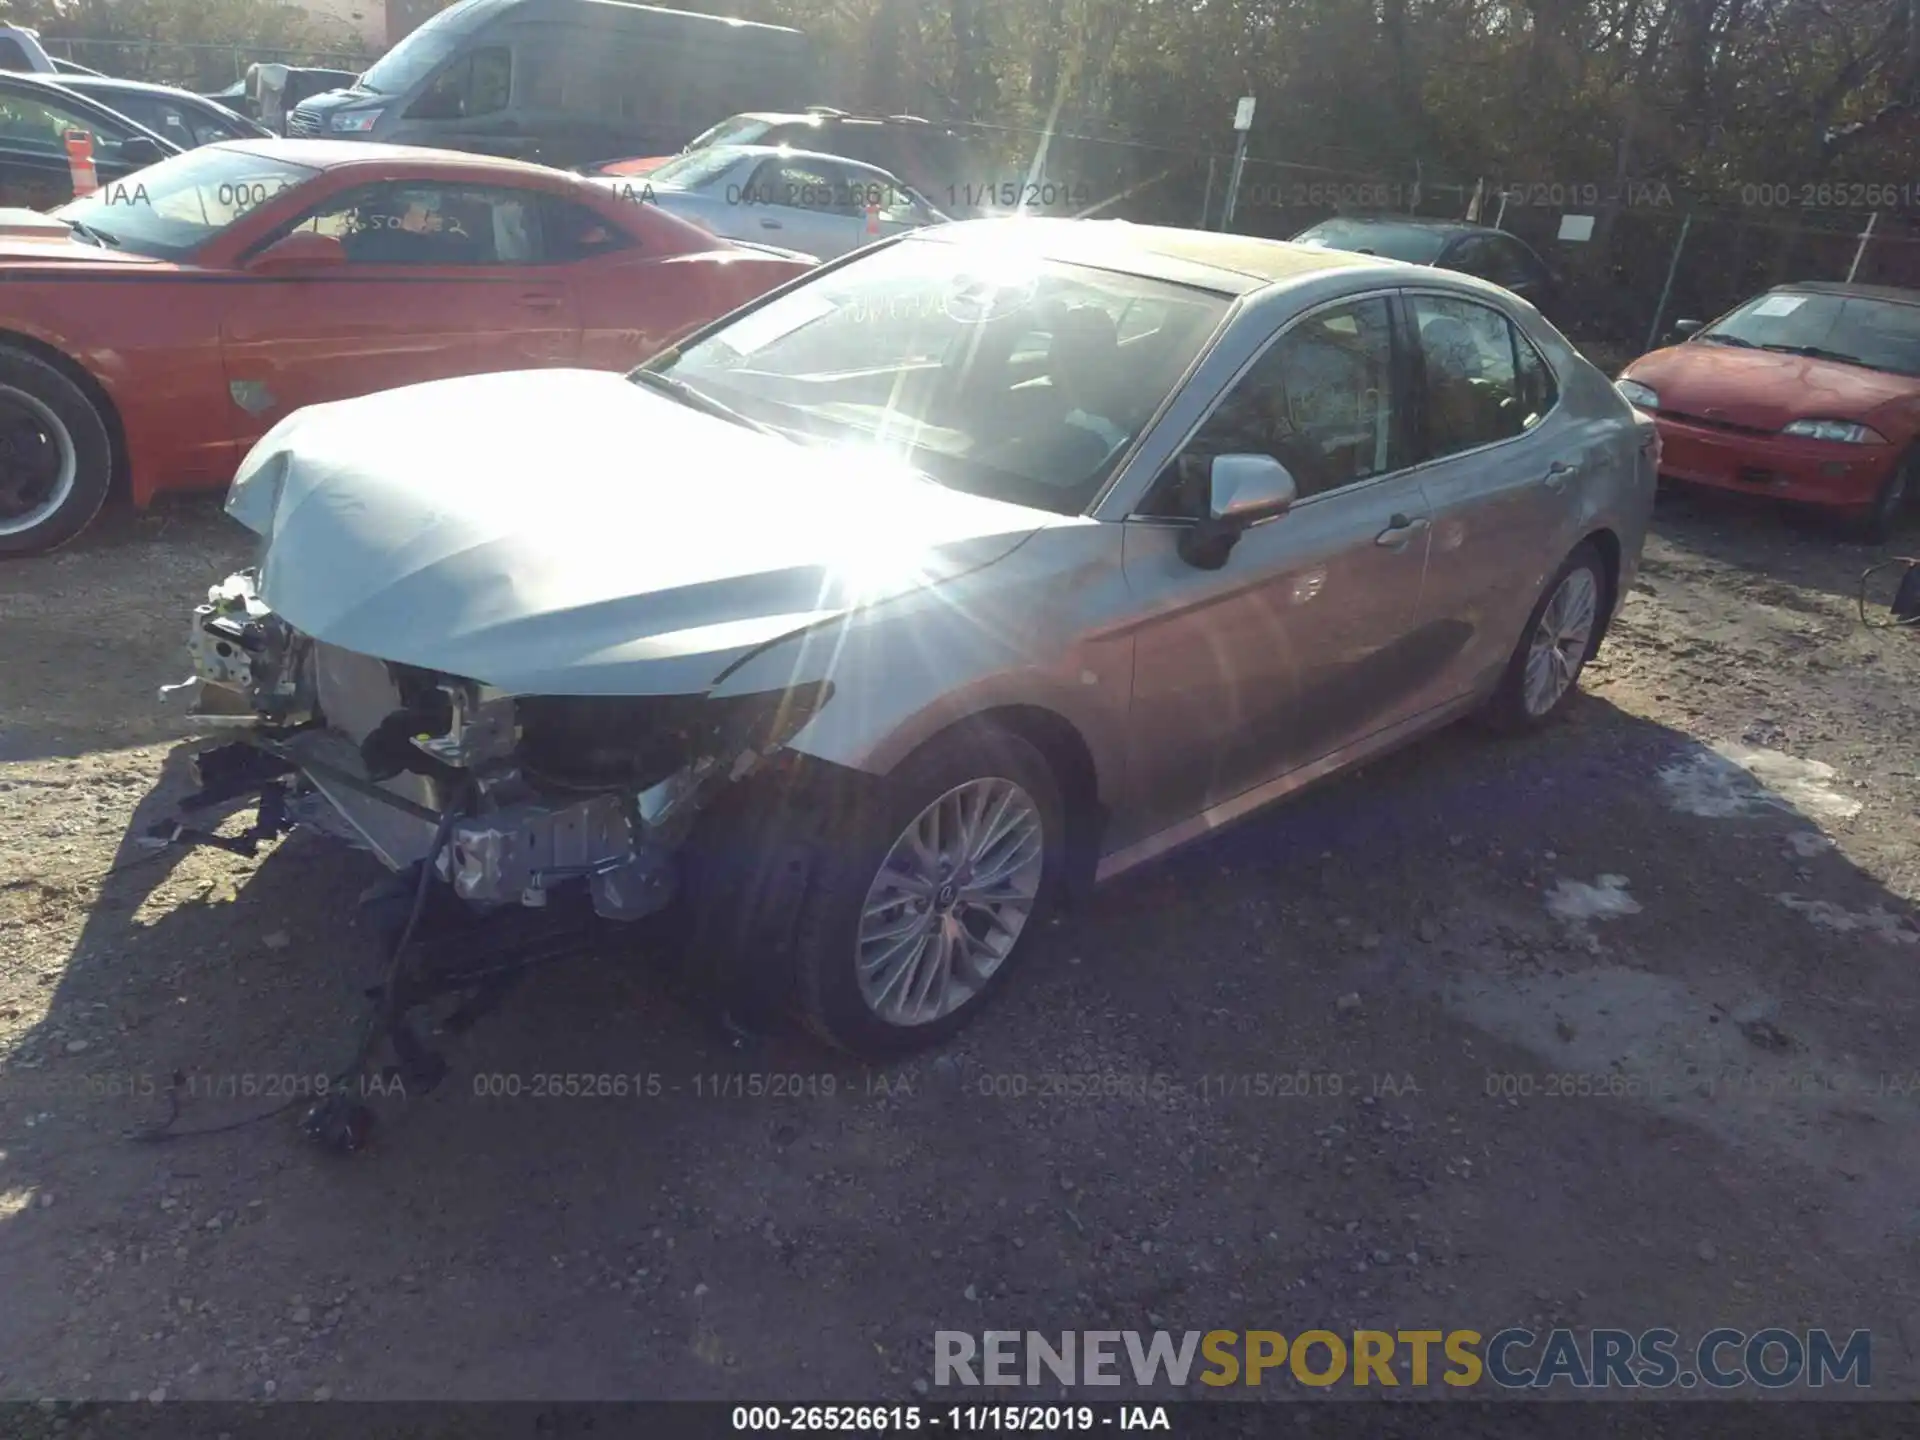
(931,158)
(1449,244)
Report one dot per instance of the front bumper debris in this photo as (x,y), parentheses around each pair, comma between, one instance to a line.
(377,754)
(520,830)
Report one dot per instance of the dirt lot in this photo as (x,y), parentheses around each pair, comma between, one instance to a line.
(1382,1016)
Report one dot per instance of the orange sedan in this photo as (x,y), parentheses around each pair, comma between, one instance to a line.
(152,331)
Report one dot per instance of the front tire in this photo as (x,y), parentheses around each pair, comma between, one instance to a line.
(922,905)
(56,461)
(1876,525)
(1560,637)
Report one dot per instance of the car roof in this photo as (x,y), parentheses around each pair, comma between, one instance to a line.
(37,78)
(1890,293)
(88,83)
(33,80)
(351,154)
(1438,224)
(825,117)
(1231,264)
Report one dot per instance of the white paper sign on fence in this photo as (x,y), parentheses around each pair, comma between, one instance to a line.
(1576,227)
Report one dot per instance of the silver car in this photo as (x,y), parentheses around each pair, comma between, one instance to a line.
(985,564)
(824,205)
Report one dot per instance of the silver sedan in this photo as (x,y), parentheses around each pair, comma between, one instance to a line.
(823,205)
(986,564)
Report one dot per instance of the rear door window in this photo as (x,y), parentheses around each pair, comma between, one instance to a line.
(806,184)
(1492,257)
(573,232)
(1482,380)
(158,114)
(1515,263)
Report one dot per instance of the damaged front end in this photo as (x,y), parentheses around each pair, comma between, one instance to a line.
(538,796)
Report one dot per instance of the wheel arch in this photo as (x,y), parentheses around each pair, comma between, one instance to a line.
(1607,544)
(96,393)
(1070,758)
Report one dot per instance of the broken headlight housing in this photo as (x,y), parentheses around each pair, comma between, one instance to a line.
(606,742)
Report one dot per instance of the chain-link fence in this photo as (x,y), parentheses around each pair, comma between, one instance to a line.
(200,68)
(1651,256)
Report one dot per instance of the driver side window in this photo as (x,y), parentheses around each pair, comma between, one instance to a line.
(32,125)
(476,84)
(1322,400)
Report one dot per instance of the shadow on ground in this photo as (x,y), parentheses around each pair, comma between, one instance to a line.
(90,632)
(1785,548)
(1299,1076)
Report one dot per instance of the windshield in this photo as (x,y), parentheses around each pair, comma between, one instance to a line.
(735,130)
(690,172)
(1876,334)
(1415,244)
(1002,374)
(171,209)
(415,57)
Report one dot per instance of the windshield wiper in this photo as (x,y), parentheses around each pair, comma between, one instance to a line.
(697,399)
(88,233)
(1733,340)
(1815,352)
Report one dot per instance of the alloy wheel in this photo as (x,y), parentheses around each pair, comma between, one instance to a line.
(1560,641)
(949,902)
(38,464)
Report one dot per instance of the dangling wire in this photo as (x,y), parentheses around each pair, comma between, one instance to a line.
(1896,620)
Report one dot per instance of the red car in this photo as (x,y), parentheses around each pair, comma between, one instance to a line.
(154,330)
(1808,393)
(645,165)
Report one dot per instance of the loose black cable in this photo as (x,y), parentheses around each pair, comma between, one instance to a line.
(1898,622)
(379,1020)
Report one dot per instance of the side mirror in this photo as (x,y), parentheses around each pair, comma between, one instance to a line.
(139,150)
(302,252)
(1242,490)
(1683,328)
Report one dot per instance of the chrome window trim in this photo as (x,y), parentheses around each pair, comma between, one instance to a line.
(1172,398)
(1354,487)
(1227,389)
(1486,302)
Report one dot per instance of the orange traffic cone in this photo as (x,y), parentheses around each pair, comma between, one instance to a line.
(80,162)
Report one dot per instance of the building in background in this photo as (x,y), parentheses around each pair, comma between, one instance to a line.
(353,24)
(371,24)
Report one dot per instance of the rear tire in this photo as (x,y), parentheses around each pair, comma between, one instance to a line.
(873,930)
(1561,635)
(56,460)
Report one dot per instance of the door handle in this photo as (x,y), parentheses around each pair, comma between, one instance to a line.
(1559,473)
(767,222)
(1400,530)
(539,300)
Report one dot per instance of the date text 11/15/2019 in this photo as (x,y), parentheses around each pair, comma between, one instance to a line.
(882,1419)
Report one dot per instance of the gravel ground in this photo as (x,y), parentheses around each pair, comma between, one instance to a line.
(1613,1026)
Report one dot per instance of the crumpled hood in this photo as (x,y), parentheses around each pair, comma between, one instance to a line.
(566,532)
